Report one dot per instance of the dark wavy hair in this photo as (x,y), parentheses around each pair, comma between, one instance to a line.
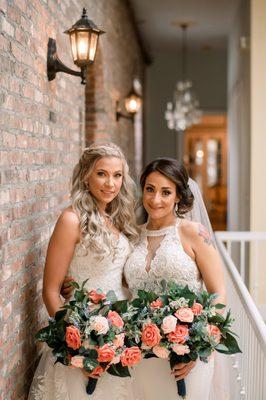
(177,173)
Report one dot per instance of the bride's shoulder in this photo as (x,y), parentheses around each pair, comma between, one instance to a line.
(68,219)
(190,228)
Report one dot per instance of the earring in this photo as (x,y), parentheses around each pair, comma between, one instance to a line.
(176,208)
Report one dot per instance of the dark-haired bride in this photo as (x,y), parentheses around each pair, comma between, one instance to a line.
(175,249)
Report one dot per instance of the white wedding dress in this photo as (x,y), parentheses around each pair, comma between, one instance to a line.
(160,255)
(59,382)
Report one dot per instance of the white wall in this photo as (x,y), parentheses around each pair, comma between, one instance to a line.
(239,122)
(207,70)
(258,134)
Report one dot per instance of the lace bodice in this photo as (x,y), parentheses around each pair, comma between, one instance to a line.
(105,273)
(169,262)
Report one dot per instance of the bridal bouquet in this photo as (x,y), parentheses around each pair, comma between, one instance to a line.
(89,333)
(178,325)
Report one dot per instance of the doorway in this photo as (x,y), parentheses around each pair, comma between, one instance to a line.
(205,157)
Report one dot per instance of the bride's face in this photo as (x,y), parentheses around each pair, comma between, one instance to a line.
(105,180)
(159,196)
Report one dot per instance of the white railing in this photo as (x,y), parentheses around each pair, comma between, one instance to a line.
(247,380)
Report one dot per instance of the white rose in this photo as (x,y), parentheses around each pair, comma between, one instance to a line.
(169,324)
(99,324)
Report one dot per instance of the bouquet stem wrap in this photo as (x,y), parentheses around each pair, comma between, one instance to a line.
(181,388)
(91,385)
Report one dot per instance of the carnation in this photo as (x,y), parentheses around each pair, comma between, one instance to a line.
(161,352)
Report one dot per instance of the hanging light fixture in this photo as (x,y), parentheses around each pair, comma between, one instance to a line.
(184,111)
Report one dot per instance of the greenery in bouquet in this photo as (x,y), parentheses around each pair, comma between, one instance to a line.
(179,325)
(89,333)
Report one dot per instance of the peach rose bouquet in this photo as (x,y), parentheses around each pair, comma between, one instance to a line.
(89,333)
(179,325)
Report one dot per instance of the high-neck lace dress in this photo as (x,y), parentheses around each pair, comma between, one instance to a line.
(160,255)
(59,382)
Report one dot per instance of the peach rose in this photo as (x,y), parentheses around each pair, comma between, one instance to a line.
(99,324)
(161,352)
(115,319)
(105,353)
(157,304)
(119,340)
(215,332)
(96,296)
(184,314)
(197,308)
(77,361)
(179,335)
(130,356)
(169,324)
(150,335)
(73,337)
(181,349)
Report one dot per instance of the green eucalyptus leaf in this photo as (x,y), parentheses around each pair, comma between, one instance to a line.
(111,296)
(118,370)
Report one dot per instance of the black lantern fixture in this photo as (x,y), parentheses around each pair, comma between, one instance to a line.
(132,105)
(83,36)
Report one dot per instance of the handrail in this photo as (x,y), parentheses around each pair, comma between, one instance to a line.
(253,313)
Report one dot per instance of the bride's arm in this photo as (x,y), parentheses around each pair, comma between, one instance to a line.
(198,244)
(59,255)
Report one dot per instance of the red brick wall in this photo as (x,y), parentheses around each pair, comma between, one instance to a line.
(42,131)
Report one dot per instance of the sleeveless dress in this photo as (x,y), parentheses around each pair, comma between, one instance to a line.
(160,255)
(60,382)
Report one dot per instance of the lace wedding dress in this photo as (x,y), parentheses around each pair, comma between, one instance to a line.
(59,382)
(160,255)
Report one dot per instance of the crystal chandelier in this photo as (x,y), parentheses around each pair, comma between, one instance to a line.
(184,111)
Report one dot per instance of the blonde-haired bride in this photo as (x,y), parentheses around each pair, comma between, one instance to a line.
(92,239)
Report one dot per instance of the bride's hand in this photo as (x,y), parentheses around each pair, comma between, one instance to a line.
(66,290)
(180,371)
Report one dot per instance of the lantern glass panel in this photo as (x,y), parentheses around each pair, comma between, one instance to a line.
(73,46)
(132,104)
(82,45)
(93,45)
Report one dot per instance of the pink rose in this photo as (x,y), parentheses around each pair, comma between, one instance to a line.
(73,337)
(119,340)
(99,324)
(169,324)
(96,296)
(161,352)
(184,314)
(105,353)
(179,335)
(115,319)
(116,359)
(77,361)
(130,356)
(156,304)
(197,308)
(181,349)
(150,335)
(215,332)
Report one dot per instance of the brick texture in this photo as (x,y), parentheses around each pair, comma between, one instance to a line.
(43,127)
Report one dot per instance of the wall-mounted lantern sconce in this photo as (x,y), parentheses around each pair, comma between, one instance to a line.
(132,105)
(83,36)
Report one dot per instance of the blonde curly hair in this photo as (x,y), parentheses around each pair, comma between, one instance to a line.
(94,234)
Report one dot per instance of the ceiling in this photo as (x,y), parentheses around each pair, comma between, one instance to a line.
(158,22)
